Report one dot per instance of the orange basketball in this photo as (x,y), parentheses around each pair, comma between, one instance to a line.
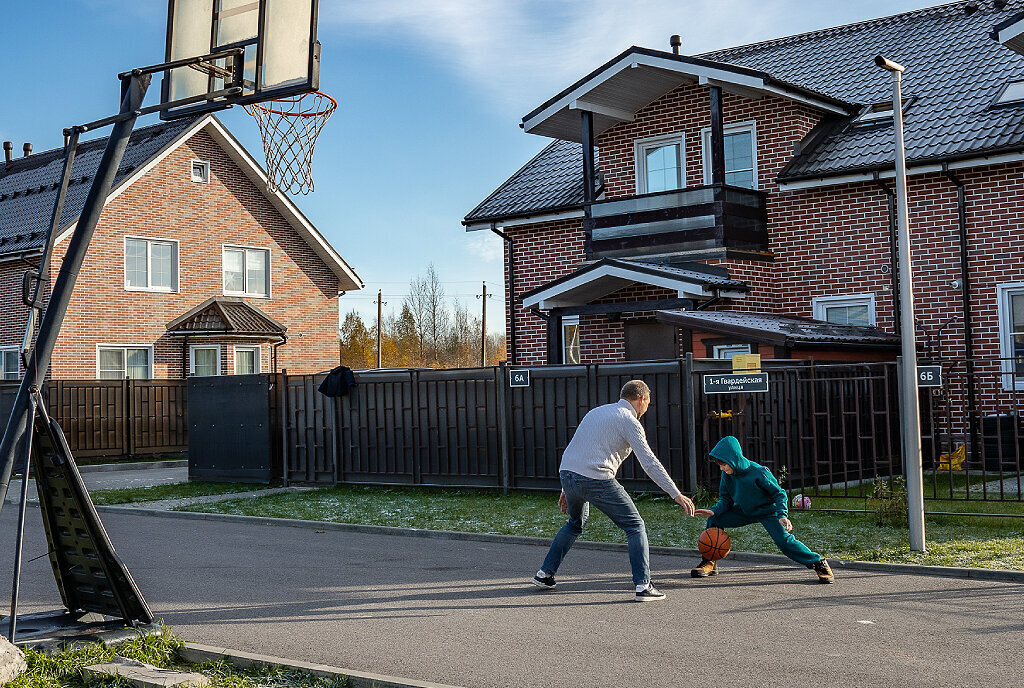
(714,544)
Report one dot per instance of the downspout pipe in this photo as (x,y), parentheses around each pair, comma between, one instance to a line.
(893,252)
(511,292)
(965,299)
(274,348)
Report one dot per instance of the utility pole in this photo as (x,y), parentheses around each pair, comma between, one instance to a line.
(483,328)
(380,310)
(911,421)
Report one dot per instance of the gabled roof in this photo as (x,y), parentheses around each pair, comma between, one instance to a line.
(28,188)
(779,330)
(955,71)
(609,275)
(221,315)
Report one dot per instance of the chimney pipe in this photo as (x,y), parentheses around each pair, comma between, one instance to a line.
(675,41)
(27,149)
(8,151)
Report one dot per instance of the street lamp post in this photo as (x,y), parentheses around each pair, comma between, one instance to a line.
(911,420)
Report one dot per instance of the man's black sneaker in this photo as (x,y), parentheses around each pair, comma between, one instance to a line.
(824,572)
(649,595)
(547,583)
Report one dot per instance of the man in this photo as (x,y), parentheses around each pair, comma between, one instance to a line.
(603,440)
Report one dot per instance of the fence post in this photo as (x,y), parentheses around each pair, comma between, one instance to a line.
(284,427)
(126,411)
(689,422)
(501,389)
(417,454)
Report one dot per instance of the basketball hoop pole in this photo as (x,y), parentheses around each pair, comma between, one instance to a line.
(134,85)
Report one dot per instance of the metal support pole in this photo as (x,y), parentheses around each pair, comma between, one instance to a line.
(133,90)
(25,474)
(690,423)
(911,421)
(483,327)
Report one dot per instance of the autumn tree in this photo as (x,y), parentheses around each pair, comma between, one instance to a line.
(357,345)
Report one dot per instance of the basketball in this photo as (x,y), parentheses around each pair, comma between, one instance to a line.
(801,502)
(714,544)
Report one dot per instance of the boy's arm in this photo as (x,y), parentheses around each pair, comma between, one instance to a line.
(771,486)
(724,502)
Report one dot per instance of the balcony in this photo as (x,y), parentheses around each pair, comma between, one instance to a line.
(697,222)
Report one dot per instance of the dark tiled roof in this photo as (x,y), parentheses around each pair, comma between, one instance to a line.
(223,315)
(790,329)
(955,70)
(552,180)
(29,185)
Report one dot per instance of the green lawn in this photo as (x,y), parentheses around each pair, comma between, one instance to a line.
(130,495)
(63,669)
(955,485)
(989,542)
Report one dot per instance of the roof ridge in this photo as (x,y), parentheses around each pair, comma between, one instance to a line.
(836,30)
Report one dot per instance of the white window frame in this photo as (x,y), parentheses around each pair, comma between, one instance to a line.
(175,268)
(203,178)
(192,357)
(878,112)
(571,321)
(821,303)
(640,147)
(1011,381)
(245,271)
(4,350)
(1011,93)
(124,347)
(723,350)
(735,128)
(257,351)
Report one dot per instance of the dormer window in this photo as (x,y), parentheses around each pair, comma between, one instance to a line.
(879,112)
(1013,92)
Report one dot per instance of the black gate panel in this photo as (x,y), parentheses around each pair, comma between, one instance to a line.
(229,438)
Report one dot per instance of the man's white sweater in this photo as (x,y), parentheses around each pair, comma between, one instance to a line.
(603,441)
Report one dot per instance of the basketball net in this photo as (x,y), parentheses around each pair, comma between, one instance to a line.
(289,128)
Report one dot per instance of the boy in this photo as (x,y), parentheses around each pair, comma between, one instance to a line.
(748,493)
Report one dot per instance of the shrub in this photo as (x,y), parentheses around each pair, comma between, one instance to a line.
(888,501)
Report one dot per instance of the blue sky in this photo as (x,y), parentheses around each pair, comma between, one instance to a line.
(431,95)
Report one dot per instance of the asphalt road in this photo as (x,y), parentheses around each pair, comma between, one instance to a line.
(462,613)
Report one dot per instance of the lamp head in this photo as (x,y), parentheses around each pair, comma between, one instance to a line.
(887,64)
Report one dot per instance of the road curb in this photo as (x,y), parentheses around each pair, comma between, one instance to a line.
(137,466)
(197,654)
(754,557)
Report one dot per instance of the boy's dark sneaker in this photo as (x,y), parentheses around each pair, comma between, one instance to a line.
(704,569)
(546,583)
(649,594)
(824,572)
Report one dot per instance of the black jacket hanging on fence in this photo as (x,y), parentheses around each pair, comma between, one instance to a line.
(338,383)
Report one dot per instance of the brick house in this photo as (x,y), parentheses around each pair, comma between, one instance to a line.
(195,268)
(743,201)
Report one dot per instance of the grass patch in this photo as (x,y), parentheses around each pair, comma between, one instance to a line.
(154,493)
(979,542)
(63,669)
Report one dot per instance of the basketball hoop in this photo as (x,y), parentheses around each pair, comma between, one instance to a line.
(289,128)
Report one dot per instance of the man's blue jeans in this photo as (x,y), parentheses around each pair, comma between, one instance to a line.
(611,499)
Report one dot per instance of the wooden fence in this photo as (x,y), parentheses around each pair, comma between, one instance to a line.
(115,418)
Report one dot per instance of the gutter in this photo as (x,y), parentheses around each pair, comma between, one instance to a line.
(511,292)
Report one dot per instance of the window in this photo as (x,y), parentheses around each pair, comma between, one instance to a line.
(201,171)
(660,164)
(729,350)
(858,309)
(740,142)
(1013,92)
(1011,333)
(877,113)
(150,264)
(120,362)
(10,363)
(247,360)
(571,339)
(204,360)
(246,271)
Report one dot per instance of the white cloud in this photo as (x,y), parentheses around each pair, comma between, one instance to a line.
(522,52)
(485,246)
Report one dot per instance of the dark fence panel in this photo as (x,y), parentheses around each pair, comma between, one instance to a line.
(229,429)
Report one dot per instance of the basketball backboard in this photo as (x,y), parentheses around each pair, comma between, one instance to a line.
(281,55)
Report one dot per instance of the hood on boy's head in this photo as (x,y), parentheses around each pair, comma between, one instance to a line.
(728,451)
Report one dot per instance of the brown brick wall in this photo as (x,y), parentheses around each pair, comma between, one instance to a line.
(166,204)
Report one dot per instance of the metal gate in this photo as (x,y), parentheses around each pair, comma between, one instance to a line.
(229,429)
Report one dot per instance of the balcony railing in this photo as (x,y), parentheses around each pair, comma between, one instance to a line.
(685,221)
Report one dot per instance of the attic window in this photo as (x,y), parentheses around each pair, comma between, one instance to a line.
(1013,92)
(879,112)
(201,171)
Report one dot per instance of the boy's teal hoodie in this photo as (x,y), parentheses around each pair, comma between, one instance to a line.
(752,489)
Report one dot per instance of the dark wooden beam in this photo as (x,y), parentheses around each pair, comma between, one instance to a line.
(628,307)
(717,137)
(587,137)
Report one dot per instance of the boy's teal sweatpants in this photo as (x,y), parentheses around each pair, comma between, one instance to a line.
(789,545)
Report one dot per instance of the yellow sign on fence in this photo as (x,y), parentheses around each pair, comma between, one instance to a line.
(746,363)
